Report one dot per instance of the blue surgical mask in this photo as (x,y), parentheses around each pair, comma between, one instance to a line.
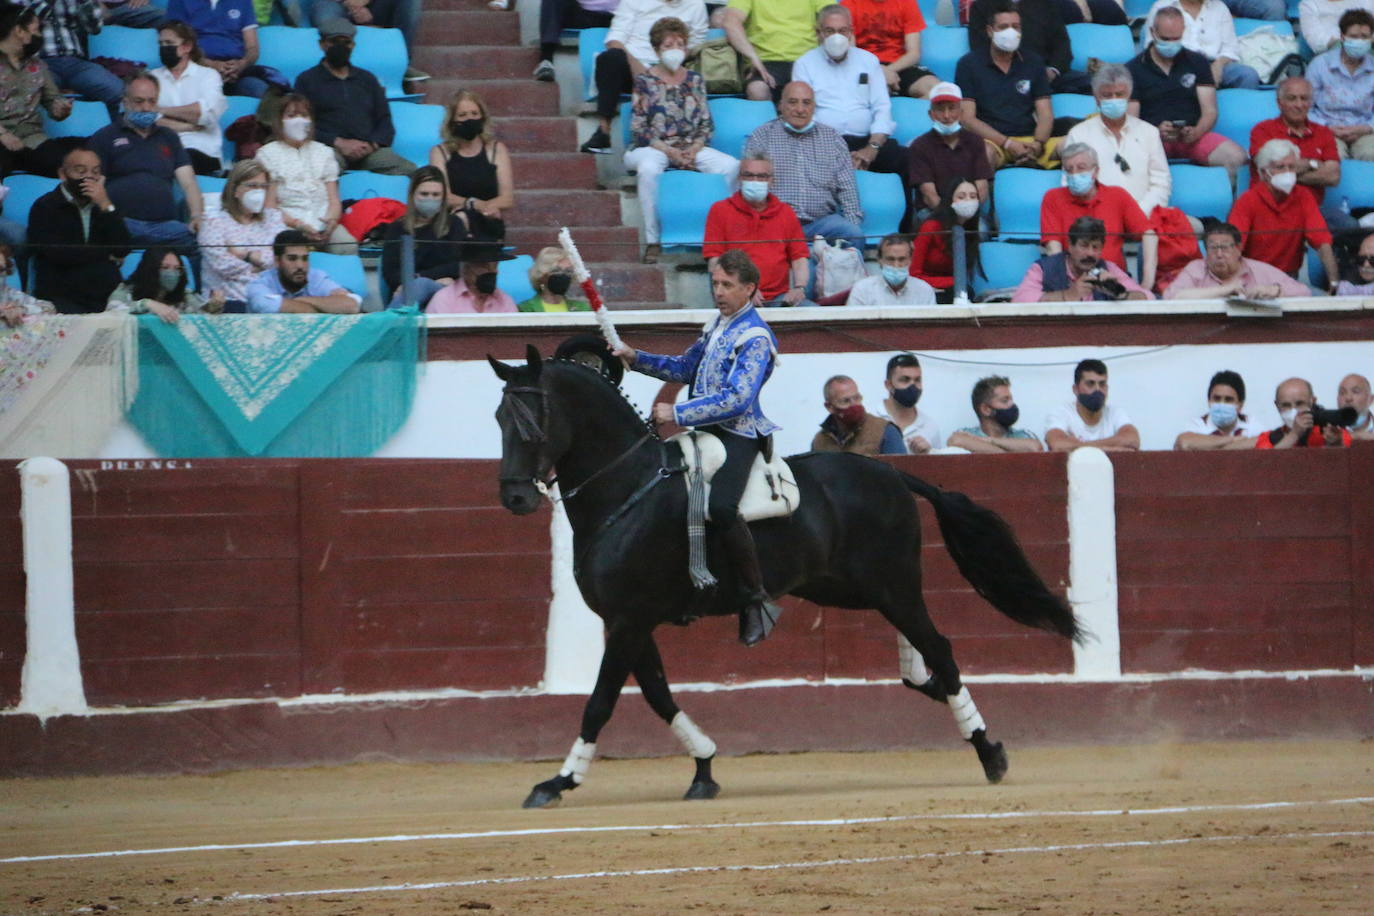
(1168,49)
(810,126)
(1112,109)
(141,120)
(427,206)
(895,276)
(754,191)
(1223,415)
(1079,183)
(1355,48)
(169,279)
(944,129)
(1093,401)
(907,396)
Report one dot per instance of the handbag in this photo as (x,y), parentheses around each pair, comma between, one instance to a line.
(719,66)
(1270,54)
(838,267)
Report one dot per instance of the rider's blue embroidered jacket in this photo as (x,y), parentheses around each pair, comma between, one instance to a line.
(726,367)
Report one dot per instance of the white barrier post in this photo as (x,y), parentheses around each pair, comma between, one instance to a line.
(575,639)
(1092,563)
(51,684)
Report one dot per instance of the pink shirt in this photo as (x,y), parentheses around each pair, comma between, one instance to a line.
(1032,285)
(1252,273)
(457,299)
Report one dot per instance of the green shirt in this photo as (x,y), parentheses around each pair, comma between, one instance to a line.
(1013,433)
(535,304)
(780,30)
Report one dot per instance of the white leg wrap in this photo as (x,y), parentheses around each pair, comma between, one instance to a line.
(579,761)
(693,738)
(965,713)
(912,663)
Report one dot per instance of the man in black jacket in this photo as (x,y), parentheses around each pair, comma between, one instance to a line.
(77,238)
(1042,33)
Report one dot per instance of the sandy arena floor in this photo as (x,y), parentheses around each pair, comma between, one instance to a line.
(1223,828)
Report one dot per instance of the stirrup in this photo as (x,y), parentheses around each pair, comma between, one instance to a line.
(756,621)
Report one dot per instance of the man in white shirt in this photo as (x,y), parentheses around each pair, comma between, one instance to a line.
(1090,421)
(893,284)
(1354,392)
(1224,425)
(851,93)
(920,432)
(190,98)
(1130,154)
(1209,29)
(628,53)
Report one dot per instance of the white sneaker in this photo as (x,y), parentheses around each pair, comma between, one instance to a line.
(1367,221)
(544,71)
(498,4)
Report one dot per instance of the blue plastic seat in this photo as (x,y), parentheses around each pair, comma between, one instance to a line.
(86,118)
(291,51)
(344,269)
(210,184)
(883,200)
(1016,196)
(362,185)
(1239,110)
(513,277)
(1004,265)
(1072,105)
(941,49)
(1201,190)
(383,53)
(625,124)
(590,42)
(237,107)
(130,264)
(1316,271)
(417,129)
(24,190)
(1356,184)
(735,120)
(684,198)
(124,43)
(1138,9)
(912,117)
(1246,26)
(1112,44)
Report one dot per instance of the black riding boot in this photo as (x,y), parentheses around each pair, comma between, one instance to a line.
(758,615)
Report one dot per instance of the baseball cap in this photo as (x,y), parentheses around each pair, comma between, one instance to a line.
(946,92)
(334,28)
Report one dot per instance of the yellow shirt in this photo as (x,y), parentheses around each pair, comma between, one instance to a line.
(780,30)
(560,307)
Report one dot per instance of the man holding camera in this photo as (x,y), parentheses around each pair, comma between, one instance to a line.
(1305,425)
(1079,274)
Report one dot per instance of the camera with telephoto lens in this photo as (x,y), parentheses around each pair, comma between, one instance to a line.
(1106,283)
(1341,416)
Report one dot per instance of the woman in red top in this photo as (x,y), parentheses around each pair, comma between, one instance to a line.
(932,259)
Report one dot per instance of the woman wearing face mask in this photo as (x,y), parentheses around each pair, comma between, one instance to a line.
(552,277)
(15,304)
(190,96)
(481,185)
(1225,424)
(305,178)
(236,243)
(438,238)
(158,285)
(933,257)
(670,125)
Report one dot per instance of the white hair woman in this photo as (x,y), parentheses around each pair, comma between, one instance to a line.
(551,276)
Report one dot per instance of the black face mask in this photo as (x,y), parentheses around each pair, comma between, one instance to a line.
(907,396)
(338,56)
(74,189)
(469,129)
(32,46)
(169,56)
(558,283)
(1006,416)
(485,283)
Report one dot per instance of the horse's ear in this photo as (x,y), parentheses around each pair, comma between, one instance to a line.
(503,372)
(532,359)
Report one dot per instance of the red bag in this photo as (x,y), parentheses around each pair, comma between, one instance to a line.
(1177,243)
(370,214)
(248,135)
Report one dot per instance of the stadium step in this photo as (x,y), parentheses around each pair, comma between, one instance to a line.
(493,62)
(469,27)
(539,135)
(615,244)
(623,283)
(548,207)
(509,97)
(553,170)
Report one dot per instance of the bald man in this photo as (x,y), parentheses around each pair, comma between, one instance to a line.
(1294,399)
(1354,392)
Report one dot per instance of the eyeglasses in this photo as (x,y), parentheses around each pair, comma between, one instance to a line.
(756,176)
(1125,166)
(1365,260)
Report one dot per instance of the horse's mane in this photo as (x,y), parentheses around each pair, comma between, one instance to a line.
(581,371)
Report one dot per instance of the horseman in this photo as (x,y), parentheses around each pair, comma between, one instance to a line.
(726,368)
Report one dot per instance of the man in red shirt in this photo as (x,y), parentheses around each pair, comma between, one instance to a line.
(1277,214)
(1114,206)
(891,31)
(763,227)
(1294,400)
(1319,160)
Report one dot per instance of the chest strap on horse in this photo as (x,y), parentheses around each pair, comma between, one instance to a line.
(696,522)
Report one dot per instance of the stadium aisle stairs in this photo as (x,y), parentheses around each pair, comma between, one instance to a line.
(465,45)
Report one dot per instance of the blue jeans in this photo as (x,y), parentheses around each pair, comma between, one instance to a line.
(250,86)
(423,287)
(87,79)
(1238,76)
(146,16)
(833,227)
(1258,9)
(389,14)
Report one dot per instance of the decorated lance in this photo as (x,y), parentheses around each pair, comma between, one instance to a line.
(584,280)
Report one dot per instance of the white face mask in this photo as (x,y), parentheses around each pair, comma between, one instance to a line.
(1288,416)
(296,128)
(253,200)
(836,45)
(1283,182)
(1007,39)
(964,209)
(672,58)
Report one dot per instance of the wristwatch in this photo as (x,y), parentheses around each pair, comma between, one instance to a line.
(1313,164)
(875,145)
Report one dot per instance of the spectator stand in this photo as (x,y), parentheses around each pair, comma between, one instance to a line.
(1072,105)
(1239,110)
(683,221)
(1016,196)
(1111,44)
(24,190)
(417,130)
(86,118)
(941,49)
(513,277)
(344,269)
(882,200)
(735,119)
(1200,190)
(238,106)
(912,117)
(1004,264)
(123,43)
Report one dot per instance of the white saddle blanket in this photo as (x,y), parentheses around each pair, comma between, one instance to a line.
(771,492)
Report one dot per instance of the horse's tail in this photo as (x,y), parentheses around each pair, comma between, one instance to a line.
(986,551)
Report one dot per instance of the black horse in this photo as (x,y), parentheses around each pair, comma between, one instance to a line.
(853,543)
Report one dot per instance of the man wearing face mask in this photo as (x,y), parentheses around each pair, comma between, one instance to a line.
(1343,86)
(851,93)
(1130,154)
(919,431)
(1294,399)
(351,112)
(1080,273)
(1354,392)
(946,151)
(228,34)
(1276,215)
(25,85)
(77,237)
(1083,196)
(849,428)
(295,287)
(1210,31)
(752,220)
(893,284)
(1319,157)
(66,25)
(996,432)
(1043,33)
(1090,420)
(190,97)
(1224,425)
(475,290)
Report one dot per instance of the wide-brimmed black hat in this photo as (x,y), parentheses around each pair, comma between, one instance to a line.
(588,349)
(486,251)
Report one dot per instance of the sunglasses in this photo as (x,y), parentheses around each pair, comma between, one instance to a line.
(1365,260)
(1124,165)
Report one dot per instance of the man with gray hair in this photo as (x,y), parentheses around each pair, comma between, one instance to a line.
(1319,157)
(1210,31)
(1130,154)
(1276,215)
(1083,196)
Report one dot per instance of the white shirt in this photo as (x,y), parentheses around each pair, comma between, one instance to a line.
(1319,20)
(854,108)
(1067,419)
(198,84)
(1212,34)
(634,18)
(1204,426)
(1148,181)
(300,175)
(924,426)
(875,290)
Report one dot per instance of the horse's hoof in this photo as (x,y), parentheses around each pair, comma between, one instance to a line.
(994,761)
(545,795)
(702,790)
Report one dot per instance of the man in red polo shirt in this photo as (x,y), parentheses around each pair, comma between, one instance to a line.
(1294,399)
(1085,196)
(1319,161)
(1277,214)
(763,227)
